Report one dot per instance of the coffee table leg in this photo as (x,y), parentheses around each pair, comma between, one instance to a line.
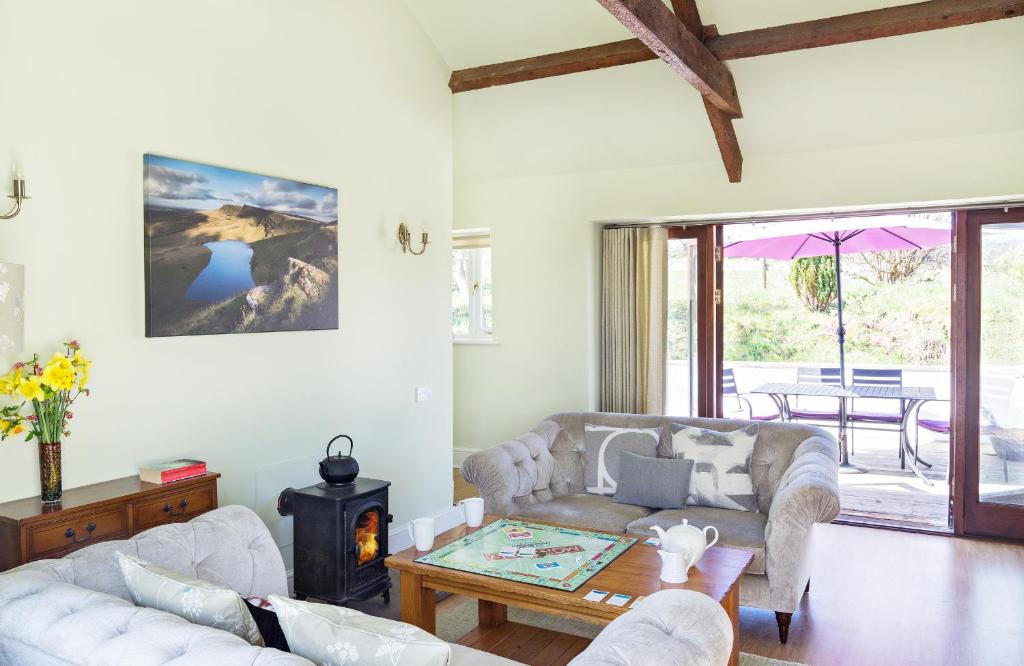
(731,603)
(417,603)
(492,614)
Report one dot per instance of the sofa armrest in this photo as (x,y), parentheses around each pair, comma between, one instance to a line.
(807,494)
(516,470)
(668,628)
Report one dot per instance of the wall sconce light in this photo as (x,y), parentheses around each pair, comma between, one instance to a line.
(18,196)
(405,240)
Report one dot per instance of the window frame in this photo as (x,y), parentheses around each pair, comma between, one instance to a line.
(477,334)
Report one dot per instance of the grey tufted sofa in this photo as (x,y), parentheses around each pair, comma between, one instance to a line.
(795,475)
(77,611)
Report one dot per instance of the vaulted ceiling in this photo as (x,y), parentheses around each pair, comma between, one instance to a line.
(951,82)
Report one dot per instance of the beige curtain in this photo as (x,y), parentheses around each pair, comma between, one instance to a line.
(634,304)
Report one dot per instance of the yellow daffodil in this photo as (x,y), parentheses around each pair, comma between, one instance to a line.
(9,384)
(83,376)
(80,361)
(32,388)
(59,374)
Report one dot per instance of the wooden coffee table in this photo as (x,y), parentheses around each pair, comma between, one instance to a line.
(635,572)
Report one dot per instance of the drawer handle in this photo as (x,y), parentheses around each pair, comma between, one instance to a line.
(69,533)
(90,528)
(182,507)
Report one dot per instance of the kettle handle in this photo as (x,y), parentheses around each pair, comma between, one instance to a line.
(350,445)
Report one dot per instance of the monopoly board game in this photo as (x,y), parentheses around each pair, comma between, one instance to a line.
(558,557)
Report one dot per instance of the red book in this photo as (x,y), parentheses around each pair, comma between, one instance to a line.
(175,470)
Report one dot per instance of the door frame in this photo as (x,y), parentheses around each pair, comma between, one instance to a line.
(971,516)
(709,314)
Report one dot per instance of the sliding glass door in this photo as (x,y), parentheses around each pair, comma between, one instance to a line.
(693,373)
(989,417)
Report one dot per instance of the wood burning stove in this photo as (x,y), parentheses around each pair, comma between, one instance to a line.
(341,540)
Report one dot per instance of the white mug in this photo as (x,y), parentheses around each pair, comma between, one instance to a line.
(473,511)
(675,566)
(422,532)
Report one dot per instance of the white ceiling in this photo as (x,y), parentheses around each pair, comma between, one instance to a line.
(919,87)
(481,32)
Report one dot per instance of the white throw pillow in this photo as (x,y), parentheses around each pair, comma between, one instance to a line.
(721,471)
(197,601)
(334,636)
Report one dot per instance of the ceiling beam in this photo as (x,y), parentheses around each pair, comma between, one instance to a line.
(655,25)
(721,124)
(875,24)
(556,64)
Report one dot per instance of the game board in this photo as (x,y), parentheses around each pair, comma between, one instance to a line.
(559,557)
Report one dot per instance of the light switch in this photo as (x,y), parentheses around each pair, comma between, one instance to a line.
(423,394)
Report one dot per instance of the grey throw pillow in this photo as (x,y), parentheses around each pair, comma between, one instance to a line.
(601,458)
(721,473)
(661,483)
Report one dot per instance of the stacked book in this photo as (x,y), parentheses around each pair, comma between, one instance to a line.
(175,470)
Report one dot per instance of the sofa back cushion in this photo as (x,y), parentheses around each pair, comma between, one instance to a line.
(603,445)
(721,474)
(773,450)
(230,547)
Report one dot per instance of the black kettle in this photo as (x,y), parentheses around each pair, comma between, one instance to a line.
(339,470)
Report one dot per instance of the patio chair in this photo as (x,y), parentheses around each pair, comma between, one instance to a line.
(878,377)
(730,390)
(815,376)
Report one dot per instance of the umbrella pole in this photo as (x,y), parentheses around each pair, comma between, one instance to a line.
(844,449)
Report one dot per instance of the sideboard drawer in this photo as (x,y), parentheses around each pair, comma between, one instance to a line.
(77,531)
(175,506)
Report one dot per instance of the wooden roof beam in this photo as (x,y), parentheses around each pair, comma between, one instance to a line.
(663,32)
(875,24)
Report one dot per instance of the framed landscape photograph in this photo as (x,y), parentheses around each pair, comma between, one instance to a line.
(235,252)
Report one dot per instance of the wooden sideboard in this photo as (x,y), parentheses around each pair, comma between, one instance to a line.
(118,509)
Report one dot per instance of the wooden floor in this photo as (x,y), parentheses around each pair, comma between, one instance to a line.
(525,644)
(881,597)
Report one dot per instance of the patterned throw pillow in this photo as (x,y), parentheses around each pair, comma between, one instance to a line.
(333,636)
(197,601)
(721,472)
(601,458)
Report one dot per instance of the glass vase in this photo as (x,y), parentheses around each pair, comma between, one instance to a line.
(50,487)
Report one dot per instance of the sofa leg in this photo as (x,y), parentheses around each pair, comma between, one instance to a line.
(808,588)
(783,619)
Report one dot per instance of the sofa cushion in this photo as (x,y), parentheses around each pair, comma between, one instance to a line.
(739,529)
(596,512)
(603,444)
(722,474)
(198,601)
(330,635)
(661,483)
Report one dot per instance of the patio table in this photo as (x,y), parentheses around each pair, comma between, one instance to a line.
(914,397)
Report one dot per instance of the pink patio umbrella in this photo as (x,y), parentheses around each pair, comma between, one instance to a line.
(793,240)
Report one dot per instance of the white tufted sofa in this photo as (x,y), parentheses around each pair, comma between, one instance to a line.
(77,611)
(794,469)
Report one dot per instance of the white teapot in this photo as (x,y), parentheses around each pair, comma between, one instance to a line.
(687,538)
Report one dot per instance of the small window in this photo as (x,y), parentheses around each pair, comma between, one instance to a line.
(472,315)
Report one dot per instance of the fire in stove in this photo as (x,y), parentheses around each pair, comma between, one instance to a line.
(367,530)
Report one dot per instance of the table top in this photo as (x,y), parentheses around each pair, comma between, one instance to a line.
(635,573)
(852,391)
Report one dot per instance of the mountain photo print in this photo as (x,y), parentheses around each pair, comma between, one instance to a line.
(235,252)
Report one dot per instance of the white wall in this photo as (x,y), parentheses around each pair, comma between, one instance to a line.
(343,93)
(545,259)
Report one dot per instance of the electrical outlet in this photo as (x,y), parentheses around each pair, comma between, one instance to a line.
(423,394)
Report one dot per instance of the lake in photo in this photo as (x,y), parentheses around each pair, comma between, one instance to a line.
(228,273)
